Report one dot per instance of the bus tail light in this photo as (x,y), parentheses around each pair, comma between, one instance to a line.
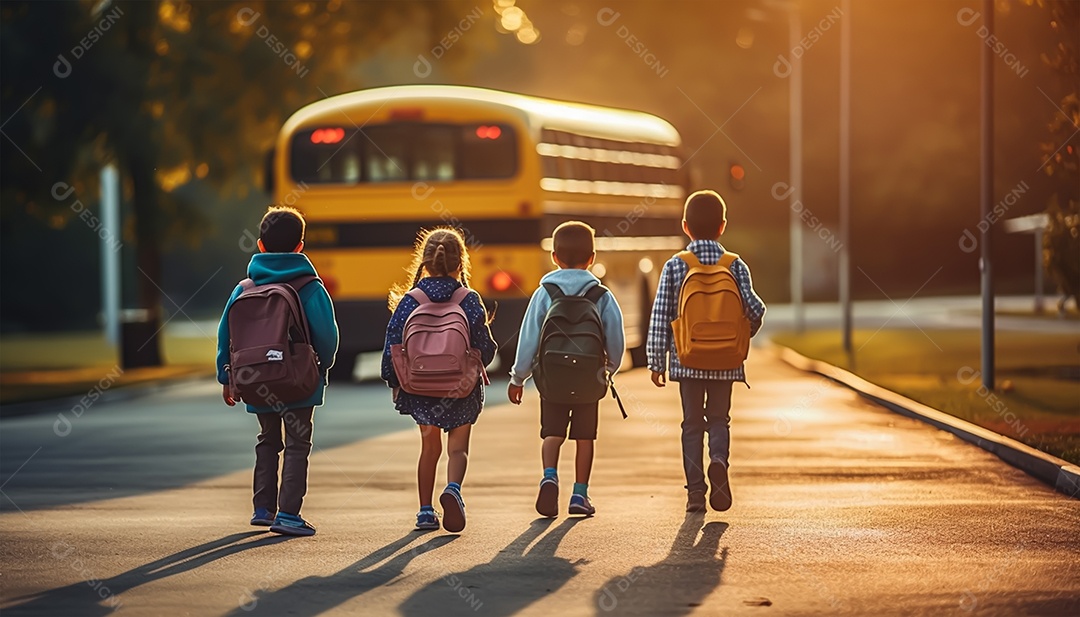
(330,283)
(502,281)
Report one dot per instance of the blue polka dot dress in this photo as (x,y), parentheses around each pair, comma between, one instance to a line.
(443,413)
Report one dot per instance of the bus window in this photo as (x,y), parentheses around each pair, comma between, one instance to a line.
(385,153)
(404,151)
(433,153)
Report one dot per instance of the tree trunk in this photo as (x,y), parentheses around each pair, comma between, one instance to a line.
(142,336)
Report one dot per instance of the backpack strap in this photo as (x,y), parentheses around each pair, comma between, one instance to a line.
(595,293)
(247,284)
(727,259)
(688,257)
(419,295)
(460,294)
(554,291)
(299,282)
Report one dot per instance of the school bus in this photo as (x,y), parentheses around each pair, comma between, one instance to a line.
(370,169)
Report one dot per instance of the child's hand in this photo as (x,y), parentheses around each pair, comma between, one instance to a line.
(659,379)
(226,395)
(394,394)
(514,393)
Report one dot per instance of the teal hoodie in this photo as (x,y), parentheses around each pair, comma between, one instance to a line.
(572,282)
(319,309)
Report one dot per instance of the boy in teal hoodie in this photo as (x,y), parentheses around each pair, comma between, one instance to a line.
(281,240)
(573,252)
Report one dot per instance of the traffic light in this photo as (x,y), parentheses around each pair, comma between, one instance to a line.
(736,176)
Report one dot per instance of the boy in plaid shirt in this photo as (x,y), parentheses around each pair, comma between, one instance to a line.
(706,394)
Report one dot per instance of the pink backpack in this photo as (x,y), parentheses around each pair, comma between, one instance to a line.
(435,358)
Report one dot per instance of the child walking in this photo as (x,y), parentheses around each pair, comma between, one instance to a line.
(441,267)
(705,390)
(279,261)
(573,252)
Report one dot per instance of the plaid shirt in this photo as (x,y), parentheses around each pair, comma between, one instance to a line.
(661,342)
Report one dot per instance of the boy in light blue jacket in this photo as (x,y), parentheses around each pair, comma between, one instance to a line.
(573,252)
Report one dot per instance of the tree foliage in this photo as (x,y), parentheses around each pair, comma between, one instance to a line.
(173,92)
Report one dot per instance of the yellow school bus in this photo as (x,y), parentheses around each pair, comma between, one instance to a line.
(370,169)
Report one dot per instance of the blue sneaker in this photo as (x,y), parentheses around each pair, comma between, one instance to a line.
(427,519)
(453,510)
(579,504)
(291,525)
(547,502)
(262,517)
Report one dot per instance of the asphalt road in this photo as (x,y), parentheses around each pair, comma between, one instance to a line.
(840,507)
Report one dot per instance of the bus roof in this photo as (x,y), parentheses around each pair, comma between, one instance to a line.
(539,113)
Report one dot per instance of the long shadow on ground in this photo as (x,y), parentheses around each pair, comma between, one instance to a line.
(315,595)
(100,597)
(511,581)
(675,586)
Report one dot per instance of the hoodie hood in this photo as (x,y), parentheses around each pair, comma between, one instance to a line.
(278,267)
(572,282)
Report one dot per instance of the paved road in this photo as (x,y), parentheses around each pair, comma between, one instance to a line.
(840,508)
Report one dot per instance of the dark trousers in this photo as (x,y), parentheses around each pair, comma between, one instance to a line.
(706,405)
(297,427)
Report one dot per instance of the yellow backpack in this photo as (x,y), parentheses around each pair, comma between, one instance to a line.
(711,330)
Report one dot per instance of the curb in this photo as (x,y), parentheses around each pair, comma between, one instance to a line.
(1060,474)
(122,393)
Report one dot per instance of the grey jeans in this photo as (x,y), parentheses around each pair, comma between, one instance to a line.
(297,427)
(706,405)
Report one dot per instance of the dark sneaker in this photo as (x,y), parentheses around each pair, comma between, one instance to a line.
(453,510)
(291,525)
(547,502)
(579,504)
(426,520)
(720,492)
(262,517)
(695,501)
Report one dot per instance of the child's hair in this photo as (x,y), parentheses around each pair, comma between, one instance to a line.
(704,213)
(572,243)
(281,229)
(439,252)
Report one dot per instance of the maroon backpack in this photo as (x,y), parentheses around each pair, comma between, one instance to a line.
(435,357)
(271,360)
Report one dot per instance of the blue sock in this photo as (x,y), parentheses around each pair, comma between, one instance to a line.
(455,486)
(551,472)
(581,489)
(427,508)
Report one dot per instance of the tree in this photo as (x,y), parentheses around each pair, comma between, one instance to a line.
(1061,155)
(173,92)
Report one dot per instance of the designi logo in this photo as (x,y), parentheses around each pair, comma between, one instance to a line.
(275,355)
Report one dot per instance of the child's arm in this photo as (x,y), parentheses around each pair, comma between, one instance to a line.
(479,332)
(529,338)
(223,338)
(394,332)
(614,336)
(754,307)
(663,312)
(324,329)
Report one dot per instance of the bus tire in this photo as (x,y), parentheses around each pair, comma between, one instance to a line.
(344,367)
(638,357)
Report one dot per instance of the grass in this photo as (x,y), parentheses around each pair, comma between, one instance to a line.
(1037,395)
(44,366)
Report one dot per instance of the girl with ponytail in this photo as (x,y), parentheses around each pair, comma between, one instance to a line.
(440,266)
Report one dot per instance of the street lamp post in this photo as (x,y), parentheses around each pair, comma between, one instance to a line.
(845,174)
(986,199)
(795,112)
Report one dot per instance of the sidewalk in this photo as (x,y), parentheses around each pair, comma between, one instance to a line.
(840,507)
